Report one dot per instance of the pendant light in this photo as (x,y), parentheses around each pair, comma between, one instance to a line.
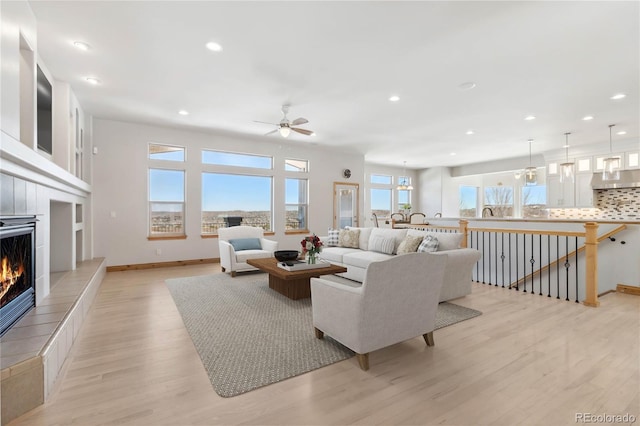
(404,184)
(530,173)
(566,168)
(611,165)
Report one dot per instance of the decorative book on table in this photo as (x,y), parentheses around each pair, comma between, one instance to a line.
(300,265)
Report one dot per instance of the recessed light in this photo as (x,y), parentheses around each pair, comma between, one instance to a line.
(530,117)
(618,96)
(621,132)
(93,80)
(467,86)
(313,134)
(213,46)
(470,132)
(587,117)
(81,45)
(394,98)
(452,153)
(183,112)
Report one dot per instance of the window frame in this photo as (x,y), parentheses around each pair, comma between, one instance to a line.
(271,224)
(184,152)
(300,205)
(502,209)
(236,166)
(151,235)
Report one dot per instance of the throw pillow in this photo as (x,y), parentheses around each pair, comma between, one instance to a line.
(449,240)
(397,234)
(428,245)
(365,233)
(409,244)
(240,244)
(382,244)
(333,239)
(349,238)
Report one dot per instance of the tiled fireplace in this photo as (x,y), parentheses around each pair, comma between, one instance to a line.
(17,269)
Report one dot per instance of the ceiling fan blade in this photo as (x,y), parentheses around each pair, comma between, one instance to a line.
(299,121)
(303,131)
(264,122)
(271,132)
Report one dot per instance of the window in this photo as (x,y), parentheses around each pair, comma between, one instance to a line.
(381,179)
(534,199)
(468,201)
(381,202)
(230,199)
(236,160)
(296,204)
(404,199)
(500,200)
(296,165)
(166,152)
(166,202)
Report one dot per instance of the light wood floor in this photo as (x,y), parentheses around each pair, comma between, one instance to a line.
(527,360)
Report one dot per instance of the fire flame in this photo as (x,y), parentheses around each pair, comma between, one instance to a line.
(9,276)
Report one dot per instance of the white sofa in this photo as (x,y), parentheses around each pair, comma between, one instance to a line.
(232,260)
(457,279)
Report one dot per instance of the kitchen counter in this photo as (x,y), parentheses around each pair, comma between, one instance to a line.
(436,220)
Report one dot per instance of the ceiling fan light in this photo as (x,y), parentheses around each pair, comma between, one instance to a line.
(285,131)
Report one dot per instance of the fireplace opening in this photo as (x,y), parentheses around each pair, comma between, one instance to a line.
(17,269)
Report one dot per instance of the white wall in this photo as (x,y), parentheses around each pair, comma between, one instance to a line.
(120,171)
(32,175)
(431,190)
(16,18)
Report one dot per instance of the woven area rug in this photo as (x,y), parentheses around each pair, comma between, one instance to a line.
(249,336)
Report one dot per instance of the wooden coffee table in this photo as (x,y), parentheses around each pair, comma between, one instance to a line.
(293,284)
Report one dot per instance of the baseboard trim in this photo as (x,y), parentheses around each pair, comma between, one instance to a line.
(153,265)
(628,289)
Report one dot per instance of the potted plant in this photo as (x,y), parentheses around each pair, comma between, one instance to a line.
(407,208)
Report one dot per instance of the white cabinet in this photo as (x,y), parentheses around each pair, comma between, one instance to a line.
(632,160)
(599,161)
(584,192)
(559,194)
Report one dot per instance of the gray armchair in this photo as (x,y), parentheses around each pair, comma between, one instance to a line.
(397,301)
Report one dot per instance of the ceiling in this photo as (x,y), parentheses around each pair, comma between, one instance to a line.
(337,64)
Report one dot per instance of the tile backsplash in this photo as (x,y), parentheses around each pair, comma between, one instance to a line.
(610,204)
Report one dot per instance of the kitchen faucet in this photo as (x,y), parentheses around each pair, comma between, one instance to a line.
(490,211)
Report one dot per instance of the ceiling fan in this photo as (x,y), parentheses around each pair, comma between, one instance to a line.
(285,126)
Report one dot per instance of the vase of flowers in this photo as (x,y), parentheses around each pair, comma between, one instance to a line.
(311,246)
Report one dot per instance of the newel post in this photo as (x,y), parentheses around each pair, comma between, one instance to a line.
(591,258)
(464,232)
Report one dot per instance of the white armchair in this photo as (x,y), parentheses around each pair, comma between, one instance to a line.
(397,301)
(251,244)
